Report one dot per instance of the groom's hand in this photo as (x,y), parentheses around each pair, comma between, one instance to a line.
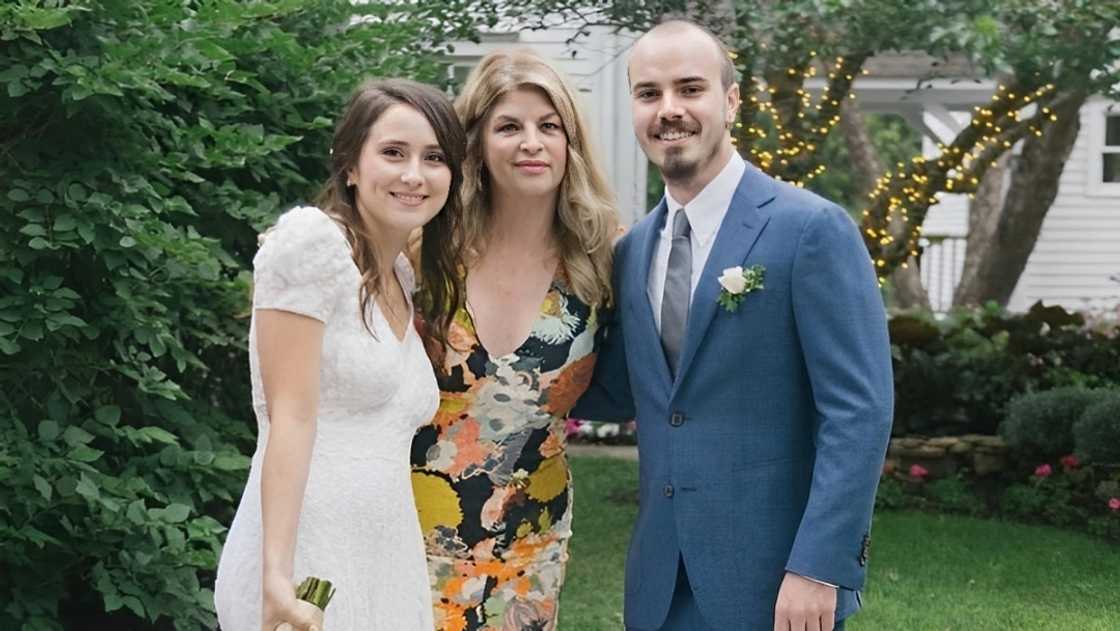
(804,605)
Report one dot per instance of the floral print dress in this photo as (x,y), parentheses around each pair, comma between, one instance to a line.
(490,476)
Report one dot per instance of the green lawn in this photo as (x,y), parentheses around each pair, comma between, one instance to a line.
(928,572)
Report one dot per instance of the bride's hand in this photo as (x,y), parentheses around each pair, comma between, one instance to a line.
(282,611)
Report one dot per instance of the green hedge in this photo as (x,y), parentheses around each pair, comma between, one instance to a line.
(1097,433)
(956,375)
(144,145)
(1040,424)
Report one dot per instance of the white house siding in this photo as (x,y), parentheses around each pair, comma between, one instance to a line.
(598,72)
(1078,248)
(946,226)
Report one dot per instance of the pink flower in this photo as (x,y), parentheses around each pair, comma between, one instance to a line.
(1070,462)
(572,427)
(1114,504)
(918,471)
(1043,471)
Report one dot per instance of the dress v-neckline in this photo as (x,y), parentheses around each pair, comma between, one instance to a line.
(552,286)
(408,305)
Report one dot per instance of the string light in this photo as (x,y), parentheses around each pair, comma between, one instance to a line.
(898,203)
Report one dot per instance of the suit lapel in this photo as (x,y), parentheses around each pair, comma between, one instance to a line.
(737,235)
(648,233)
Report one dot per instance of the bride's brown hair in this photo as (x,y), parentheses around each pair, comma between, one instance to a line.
(440,263)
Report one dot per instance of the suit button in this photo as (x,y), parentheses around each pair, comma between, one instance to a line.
(677,419)
(668,490)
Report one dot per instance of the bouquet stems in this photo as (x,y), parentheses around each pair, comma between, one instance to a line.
(316,591)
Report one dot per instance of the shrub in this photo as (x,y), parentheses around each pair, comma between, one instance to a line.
(144,146)
(1040,424)
(1097,434)
(891,494)
(953,495)
(956,375)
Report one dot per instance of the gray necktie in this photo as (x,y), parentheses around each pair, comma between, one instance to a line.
(678,291)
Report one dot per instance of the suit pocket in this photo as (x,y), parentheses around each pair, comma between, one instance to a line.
(762,467)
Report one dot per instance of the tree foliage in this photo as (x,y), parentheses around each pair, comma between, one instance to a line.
(144,145)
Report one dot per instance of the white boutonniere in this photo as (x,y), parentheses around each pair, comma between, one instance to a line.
(737,282)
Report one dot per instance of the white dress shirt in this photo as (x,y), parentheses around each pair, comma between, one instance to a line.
(705,214)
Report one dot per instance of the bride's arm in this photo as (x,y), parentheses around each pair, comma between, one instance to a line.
(289,348)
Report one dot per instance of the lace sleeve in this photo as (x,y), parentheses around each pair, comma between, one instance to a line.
(302,266)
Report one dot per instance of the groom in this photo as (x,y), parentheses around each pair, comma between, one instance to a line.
(762,426)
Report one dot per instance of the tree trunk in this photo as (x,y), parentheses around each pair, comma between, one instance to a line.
(995,259)
(984,213)
(906,281)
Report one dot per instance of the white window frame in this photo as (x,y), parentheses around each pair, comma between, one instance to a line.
(1097,113)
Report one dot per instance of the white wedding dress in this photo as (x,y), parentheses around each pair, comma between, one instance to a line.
(358,527)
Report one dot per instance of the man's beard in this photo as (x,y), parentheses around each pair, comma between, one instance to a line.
(677,167)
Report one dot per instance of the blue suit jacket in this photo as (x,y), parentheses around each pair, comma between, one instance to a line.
(763,455)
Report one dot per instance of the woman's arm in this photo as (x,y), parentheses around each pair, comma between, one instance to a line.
(289,347)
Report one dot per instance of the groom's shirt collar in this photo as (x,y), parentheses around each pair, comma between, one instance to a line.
(707,210)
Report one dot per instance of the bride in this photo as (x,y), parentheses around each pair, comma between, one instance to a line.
(341,380)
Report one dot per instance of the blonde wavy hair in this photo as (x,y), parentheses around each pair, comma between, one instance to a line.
(586,213)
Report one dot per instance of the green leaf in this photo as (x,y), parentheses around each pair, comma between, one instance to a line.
(108,414)
(32,331)
(175,537)
(159,435)
(38,243)
(76,192)
(84,454)
(16,71)
(43,19)
(68,320)
(75,436)
(136,512)
(232,462)
(85,231)
(17,89)
(176,513)
(33,230)
(133,603)
(65,223)
(43,487)
(13,274)
(38,537)
(87,489)
(18,195)
(213,51)
(113,602)
(9,347)
(127,242)
(48,431)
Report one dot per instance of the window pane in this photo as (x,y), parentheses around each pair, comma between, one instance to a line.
(1112,131)
(1111,167)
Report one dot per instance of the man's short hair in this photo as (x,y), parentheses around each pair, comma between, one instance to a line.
(727,67)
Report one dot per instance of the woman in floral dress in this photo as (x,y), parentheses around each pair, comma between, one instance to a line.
(490,476)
